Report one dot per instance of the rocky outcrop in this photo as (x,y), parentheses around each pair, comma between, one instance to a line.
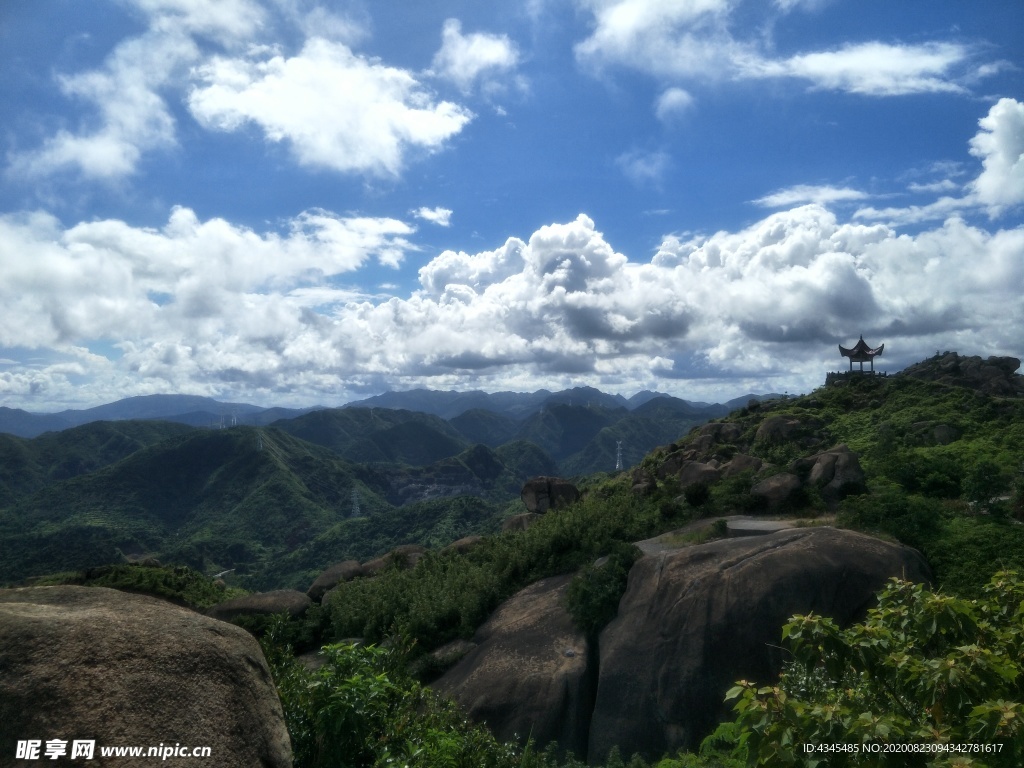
(404,556)
(716,432)
(332,577)
(289,601)
(741,463)
(835,472)
(543,493)
(992,376)
(464,545)
(127,670)
(777,489)
(692,622)
(776,430)
(528,673)
(695,620)
(694,472)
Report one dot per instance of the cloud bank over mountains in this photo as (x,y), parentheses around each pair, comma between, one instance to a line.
(210,307)
(127,267)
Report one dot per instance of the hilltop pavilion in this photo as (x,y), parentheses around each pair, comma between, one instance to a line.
(861,353)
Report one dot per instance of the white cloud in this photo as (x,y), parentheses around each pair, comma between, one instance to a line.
(669,39)
(335,108)
(999,186)
(127,91)
(914,214)
(209,307)
(440,216)
(935,187)
(226,21)
(467,60)
(133,116)
(672,103)
(1000,145)
(191,279)
(873,68)
(808,5)
(803,193)
(644,168)
(693,40)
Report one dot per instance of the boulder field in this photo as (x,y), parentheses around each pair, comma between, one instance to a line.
(125,670)
(691,622)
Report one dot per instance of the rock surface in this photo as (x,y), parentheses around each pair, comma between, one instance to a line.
(777,489)
(464,545)
(528,674)
(129,670)
(836,472)
(992,376)
(332,577)
(405,556)
(695,620)
(543,493)
(289,601)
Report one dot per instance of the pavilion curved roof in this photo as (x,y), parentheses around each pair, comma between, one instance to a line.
(861,352)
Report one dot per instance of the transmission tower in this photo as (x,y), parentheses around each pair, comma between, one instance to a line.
(355,503)
(618,455)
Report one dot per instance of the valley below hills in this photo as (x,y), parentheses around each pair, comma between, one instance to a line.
(617,618)
(273,494)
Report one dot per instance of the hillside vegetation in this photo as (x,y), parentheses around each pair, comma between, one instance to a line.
(941,463)
(942,474)
(276,505)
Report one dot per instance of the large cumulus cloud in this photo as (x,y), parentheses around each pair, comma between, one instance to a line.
(104,309)
(208,307)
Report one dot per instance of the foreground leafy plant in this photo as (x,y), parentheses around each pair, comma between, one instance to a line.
(361,709)
(924,670)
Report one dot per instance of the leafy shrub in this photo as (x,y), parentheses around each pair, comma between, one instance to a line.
(179,584)
(923,668)
(448,596)
(969,550)
(362,709)
(697,494)
(594,593)
(913,520)
(984,481)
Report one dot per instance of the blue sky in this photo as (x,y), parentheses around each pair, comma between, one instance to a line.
(292,202)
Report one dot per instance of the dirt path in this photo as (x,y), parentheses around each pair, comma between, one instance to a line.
(738,525)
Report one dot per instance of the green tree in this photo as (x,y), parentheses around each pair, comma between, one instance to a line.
(984,481)
(924,670)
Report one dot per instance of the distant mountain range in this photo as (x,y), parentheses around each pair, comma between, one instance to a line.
(184,409)
(276,492)
(206,412)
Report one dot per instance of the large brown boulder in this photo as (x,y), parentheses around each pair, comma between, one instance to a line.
(130,670)
(405,556)
(777,429)
(464,545)
(695,620)
(694,472)
(528,674)
(332,577)
(837,472)
(994,376)
(543,493)
(740,463)
(777,489)
(289,601)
